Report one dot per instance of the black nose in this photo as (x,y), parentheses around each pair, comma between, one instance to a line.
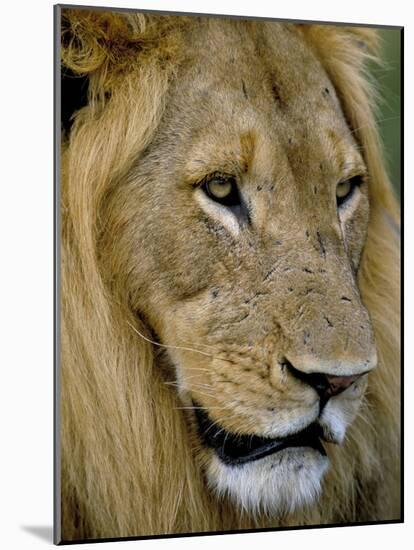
(326,385)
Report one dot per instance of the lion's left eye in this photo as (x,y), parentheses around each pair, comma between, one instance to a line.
(345,189)
(222,190)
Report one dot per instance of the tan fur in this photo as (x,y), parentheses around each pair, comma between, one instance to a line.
(162,90)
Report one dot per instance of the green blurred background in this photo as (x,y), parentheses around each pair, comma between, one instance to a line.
(388,80)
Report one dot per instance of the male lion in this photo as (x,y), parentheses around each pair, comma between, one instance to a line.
(230,284)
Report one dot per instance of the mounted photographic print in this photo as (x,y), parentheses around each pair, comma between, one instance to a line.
(228,288)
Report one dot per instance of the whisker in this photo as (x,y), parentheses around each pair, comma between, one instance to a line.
(188,379)
(201,408)
(185,348)
(225,438)
(168,345)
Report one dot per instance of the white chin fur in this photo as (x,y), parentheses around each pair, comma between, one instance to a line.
(273,485)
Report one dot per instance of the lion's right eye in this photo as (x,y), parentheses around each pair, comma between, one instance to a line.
(346,188)
(222,190)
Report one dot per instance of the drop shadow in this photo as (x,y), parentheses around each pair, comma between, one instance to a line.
(44,532)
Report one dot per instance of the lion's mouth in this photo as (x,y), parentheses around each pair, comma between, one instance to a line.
(235,449)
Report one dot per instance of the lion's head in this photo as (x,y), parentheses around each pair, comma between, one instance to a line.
(223,203)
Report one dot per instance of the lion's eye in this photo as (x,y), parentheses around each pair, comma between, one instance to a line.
(223,190)
(219,189)
(345,189)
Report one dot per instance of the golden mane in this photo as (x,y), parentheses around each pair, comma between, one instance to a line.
(123,473)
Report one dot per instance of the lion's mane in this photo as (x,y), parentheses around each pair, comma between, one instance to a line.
(127,467)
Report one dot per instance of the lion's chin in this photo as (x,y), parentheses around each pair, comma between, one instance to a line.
(273,485)
(260,474)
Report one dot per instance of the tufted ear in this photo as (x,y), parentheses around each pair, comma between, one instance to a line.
(105,45)
(99,48)
(337,39)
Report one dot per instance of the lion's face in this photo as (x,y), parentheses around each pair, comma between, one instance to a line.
(251,205)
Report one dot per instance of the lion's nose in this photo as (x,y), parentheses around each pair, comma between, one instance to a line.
(326,385)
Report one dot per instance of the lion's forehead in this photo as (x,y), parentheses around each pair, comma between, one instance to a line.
(264,84)
(268,68)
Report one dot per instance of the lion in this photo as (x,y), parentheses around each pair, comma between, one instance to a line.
(229,279)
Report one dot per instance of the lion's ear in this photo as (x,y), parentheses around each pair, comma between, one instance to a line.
(340,41)
(91,39)
(110,41)
(101,48)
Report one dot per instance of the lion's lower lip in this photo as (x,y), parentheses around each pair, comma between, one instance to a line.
(234,449)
